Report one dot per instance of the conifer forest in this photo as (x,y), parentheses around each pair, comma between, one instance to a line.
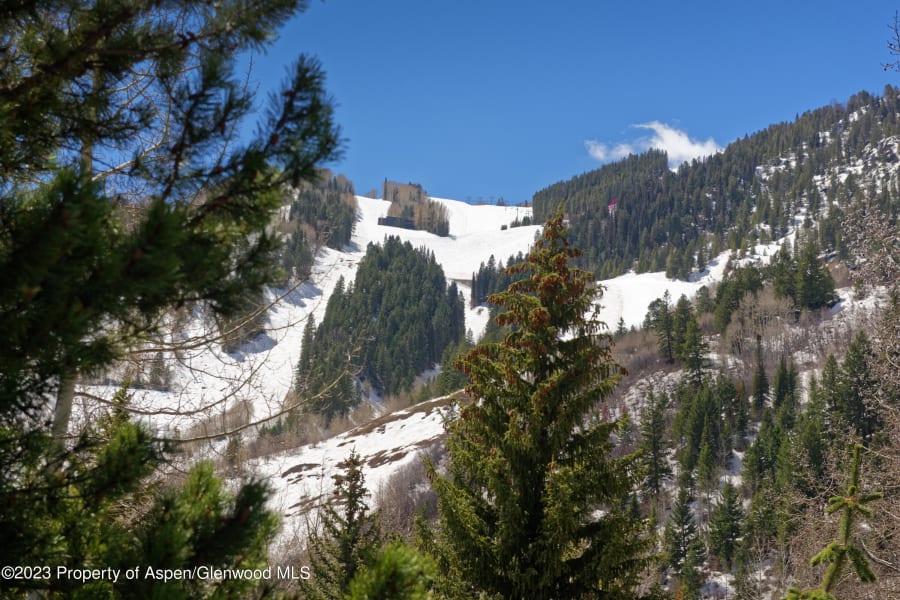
(226,374)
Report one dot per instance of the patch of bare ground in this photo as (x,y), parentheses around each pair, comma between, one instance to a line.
(307,504)
(393,455)
(299,469)
(427,407)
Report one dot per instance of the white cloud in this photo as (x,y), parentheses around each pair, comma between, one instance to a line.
(604,153)
(677,144)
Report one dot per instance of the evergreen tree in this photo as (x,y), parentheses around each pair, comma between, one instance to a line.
(704,300)
(396,572)
(201,227)
(396,320)
(725,525)
(761,524)
(662,217)
(690,578)
(532,504)
(660,318)
(842,551)
(621,329)
(784,399)
(760,390)
(760,459)
(781,384)
(856,389)
(830,391)
(347,539)
(741,418)
(707,469)
(814,285)
(305,366)
(682,541)
(812,441)
(451,379)
(72,507)
(681,316)
(199,523)
(93,255)
(653,446)
(693,351)
(296,256)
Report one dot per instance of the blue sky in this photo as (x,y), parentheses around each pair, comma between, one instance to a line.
(482,100)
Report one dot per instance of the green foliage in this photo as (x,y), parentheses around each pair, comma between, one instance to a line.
(452,379)
(707,463)
(802,278)
(812,442)
(841,551)
(201,523)
(75,508)
(678,334)
(76,314)
(761,458)
(249,321)
(662,321)
(492,277)
(725,524)
(856,388)
(698,416)
(297,256)
(672,221)
(92,255)
(653,446)
(322,213)
(533,504)
(731,290)
(328,205)
(396,572)
(760,389)
(693,351)
(681,537)
(347,539)
(394,322)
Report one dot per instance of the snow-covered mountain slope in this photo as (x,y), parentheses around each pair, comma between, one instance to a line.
(214,392)
(211,389)
(302,479)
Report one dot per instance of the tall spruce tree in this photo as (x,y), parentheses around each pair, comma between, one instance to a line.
(124,195)
(682,541)
(857,388)
(760,390)
(693,351)
(725,525)
(347,539)
(664,324)
(532,503)
(653,446)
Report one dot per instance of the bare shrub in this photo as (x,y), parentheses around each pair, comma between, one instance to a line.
(638,352)
(215,427)
(287,434)
(840,274)
(406,495)
(762,314)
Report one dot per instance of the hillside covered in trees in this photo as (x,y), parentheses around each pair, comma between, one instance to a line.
(750,192)
(321,213)
(691,456)
(392,323)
